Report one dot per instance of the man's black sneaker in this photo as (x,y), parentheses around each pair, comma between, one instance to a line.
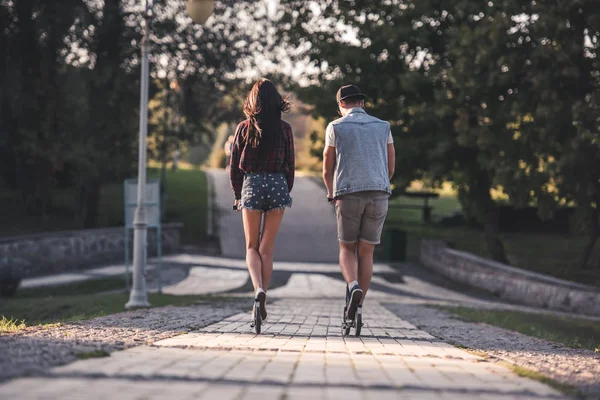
(354,296)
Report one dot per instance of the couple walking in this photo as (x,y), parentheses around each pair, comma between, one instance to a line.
(358,163)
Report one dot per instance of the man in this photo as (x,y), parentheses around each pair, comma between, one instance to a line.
(358,163)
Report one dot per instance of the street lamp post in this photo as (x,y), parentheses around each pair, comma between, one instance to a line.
(199,11)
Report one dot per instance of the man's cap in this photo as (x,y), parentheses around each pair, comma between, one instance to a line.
(348,91)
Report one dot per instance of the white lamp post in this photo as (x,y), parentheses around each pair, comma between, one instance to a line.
(199,11)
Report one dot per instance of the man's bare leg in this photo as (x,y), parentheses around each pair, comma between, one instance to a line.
(365,266)
(349,266)
(348,261)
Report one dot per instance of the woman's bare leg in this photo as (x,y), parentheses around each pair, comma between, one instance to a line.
(267,245)
(252,220)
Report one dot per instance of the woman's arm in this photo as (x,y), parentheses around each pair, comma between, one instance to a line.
(290,158)
(236,175)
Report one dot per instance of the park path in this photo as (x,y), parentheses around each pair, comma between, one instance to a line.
(301,353)
(307,233)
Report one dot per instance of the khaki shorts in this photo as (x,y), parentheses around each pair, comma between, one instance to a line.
(360,216)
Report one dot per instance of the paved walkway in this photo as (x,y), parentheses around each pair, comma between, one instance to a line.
(301,353)
(308,230)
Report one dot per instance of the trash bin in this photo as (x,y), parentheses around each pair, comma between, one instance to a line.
(394,245)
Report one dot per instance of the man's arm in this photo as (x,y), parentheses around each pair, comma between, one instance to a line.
(391,160)
(328,169)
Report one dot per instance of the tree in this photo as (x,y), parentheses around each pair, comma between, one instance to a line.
(399,58)
(75,66)
(562,102)
(479,93)
(32,44)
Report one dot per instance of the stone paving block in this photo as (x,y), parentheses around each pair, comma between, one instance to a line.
(316,344)
(369,371)
(346,393)
(426,371)
(258,392)
(339,369)
(247,369)
(280,368)
(303,393)
(222,392)
(382,394)
(310,369)
(397,371)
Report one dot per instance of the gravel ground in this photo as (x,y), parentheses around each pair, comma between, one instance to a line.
(576,367)
(37,348)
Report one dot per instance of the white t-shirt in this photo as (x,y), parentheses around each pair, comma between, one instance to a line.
(330,136)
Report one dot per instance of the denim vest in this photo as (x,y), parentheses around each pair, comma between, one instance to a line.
(361,154)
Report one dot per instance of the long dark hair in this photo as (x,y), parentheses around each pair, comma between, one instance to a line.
(263,108)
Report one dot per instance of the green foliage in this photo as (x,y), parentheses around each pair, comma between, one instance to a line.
(554,255)
(218,159)
(187,202)
(483,94)
(69,92)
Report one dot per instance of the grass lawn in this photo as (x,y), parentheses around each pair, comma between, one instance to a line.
(79,301)
(186,202)
(556,255)
(74,289)
(572,332)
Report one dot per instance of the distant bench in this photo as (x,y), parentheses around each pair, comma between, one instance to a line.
(426,208)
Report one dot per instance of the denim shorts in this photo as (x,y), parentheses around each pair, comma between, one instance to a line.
(265,191)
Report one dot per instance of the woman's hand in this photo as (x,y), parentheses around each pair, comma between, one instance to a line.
(237,205)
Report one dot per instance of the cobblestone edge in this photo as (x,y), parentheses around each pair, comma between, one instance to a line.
(38,348)
(579,368)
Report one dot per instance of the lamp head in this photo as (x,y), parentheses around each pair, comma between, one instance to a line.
(200,10)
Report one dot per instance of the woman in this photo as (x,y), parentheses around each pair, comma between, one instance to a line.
(262,176)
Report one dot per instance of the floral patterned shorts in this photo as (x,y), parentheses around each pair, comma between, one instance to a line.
(265,191)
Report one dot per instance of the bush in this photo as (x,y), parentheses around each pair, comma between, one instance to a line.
(511,219)
(217,159)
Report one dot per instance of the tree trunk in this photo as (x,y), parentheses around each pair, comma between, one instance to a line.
(587,251)
(89,198)
(477,203)
(594,232)
(494,244)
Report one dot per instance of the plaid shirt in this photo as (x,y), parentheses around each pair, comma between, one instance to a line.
(245,158)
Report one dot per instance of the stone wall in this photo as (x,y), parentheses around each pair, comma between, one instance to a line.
(510,283)
(55,252)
